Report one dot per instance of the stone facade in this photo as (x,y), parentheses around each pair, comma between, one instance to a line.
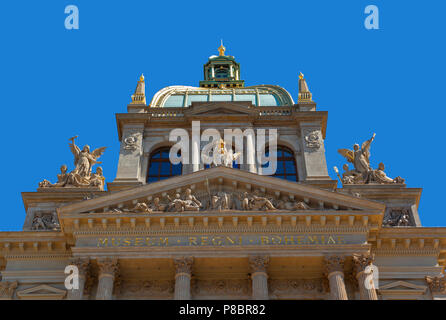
(222,232)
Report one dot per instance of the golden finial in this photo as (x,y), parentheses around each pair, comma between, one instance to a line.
(301,75)
(142,77)
(221,49)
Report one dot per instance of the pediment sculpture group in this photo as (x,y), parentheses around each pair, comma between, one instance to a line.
(216,201)
(363,173)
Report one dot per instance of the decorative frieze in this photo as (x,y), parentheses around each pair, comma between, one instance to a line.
(222,287)
(285,287)
(148,288)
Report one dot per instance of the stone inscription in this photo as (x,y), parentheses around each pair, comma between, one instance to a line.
(223,240)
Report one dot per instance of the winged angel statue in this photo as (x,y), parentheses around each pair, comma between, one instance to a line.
(363,172)
(82,175)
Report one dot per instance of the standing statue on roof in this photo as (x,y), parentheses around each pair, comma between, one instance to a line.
(360,158)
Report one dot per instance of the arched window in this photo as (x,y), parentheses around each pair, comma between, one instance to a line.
(160,167)
(286,164)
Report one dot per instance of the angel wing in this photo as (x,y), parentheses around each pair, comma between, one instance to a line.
(75,151)
(98,152)
(347,154)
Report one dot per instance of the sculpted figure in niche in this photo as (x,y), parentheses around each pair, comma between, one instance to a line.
(397,217)
(46,221)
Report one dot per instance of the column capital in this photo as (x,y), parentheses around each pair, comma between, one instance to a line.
(83,264)
(108,266)
(436,284)
(7,289)
(183,265)
(258,263)
(334,263)
(362,261)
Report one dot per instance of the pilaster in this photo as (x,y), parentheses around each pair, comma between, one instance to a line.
(183,274)
(108,270)
(259,276)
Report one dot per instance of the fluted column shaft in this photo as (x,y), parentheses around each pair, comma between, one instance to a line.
(335,273)
(363,275)
(108,269)
(183,274)
(259,277)
(83,265)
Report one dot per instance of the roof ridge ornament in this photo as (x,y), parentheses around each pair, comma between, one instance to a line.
(139,97)
(221,49)
(305,95)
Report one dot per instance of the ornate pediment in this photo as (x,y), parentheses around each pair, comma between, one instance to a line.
(222,189)
(402,288)
(239,108)
(43,292)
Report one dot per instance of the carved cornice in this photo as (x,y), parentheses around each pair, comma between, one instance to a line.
(183,265)
(259,263)
(436,284)
(108,266)
(334,264)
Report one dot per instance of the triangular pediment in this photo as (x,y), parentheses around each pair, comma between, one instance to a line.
(402,287)
(224,189)
(42,291)
(239,108)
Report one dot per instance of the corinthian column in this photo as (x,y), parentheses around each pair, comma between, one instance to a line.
(335,272)
(363,275)
(183,273)
(83,265)
(108,270)
(259,276)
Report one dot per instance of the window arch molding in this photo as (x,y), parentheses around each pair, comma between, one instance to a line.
(286,163)
(159,166)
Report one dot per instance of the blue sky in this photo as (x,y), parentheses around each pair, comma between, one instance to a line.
(57,83)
